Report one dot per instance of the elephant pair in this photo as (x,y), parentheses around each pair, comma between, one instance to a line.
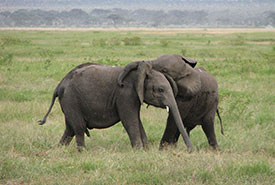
(98,96)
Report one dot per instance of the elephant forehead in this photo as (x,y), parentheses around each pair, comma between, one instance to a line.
(156,77)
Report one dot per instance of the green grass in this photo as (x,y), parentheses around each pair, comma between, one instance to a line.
(33,62)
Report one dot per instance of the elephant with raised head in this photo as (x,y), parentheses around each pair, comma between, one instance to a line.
(91,98)
(197,97)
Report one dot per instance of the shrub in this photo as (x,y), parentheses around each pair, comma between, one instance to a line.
(238,41)
(132,41)
(114,42)
(164,43)
(99,42)
(183,52)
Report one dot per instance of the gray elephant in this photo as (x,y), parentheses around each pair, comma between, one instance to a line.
(197,97)
(91,98)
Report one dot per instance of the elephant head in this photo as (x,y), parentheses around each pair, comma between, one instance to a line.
(153,84)
(180,69)
(154,88)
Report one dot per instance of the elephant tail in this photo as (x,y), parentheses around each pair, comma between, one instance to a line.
(55,94)
(218,113)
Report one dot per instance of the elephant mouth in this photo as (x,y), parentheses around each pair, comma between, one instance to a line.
(155,99)
(155,103)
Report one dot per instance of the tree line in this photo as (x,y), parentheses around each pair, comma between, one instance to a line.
(117,17)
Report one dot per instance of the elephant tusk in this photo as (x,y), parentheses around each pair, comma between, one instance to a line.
(167,108)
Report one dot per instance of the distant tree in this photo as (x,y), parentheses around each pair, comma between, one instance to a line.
(139,17)
(5,13)
(74,17)
(271,18)
(116,19)
(21,17)
(100,12)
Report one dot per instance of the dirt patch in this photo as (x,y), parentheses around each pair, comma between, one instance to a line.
(261,42)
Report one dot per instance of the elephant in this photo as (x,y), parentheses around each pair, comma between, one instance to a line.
(90,98)
(197,96)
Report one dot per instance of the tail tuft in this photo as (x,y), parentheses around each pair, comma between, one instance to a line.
(41,122)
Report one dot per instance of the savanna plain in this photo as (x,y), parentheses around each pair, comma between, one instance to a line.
(32,62)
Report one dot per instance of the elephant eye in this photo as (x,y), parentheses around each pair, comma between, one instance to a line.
(161,90)
(164,70)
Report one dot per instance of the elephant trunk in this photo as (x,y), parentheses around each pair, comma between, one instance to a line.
(175,112)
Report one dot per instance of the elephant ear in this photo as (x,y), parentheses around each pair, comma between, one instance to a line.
(190,83)
(143,69)
(127,69)
(189,61)
(173,84)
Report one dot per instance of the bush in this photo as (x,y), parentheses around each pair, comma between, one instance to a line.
(99,42)
(164,43)
(8,41)
(114,42)
(183,52)
(132,41)
(238,41)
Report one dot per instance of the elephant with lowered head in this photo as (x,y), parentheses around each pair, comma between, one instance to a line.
(91,98)
(197,96)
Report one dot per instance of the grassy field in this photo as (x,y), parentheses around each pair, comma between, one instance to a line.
(33,62)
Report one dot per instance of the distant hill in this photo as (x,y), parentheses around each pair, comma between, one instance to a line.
(137,13)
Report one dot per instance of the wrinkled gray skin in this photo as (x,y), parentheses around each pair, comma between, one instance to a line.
(90,98)
(197,97)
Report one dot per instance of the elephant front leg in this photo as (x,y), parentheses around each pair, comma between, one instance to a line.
(143,136)
(128,109)
(133,130)
(129,115)
(171,133)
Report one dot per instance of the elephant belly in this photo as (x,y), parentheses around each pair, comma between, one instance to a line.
(194,110)
(101,120)
(192,121)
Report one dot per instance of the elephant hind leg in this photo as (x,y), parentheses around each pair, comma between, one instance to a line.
(75,125)
(80,141)
(209,130)
(67,136)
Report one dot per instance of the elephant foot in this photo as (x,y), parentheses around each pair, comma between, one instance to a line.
(190,149)
(166,145)
(215,147)
(145,147)
(65,141)
(81,149)
(138,147)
